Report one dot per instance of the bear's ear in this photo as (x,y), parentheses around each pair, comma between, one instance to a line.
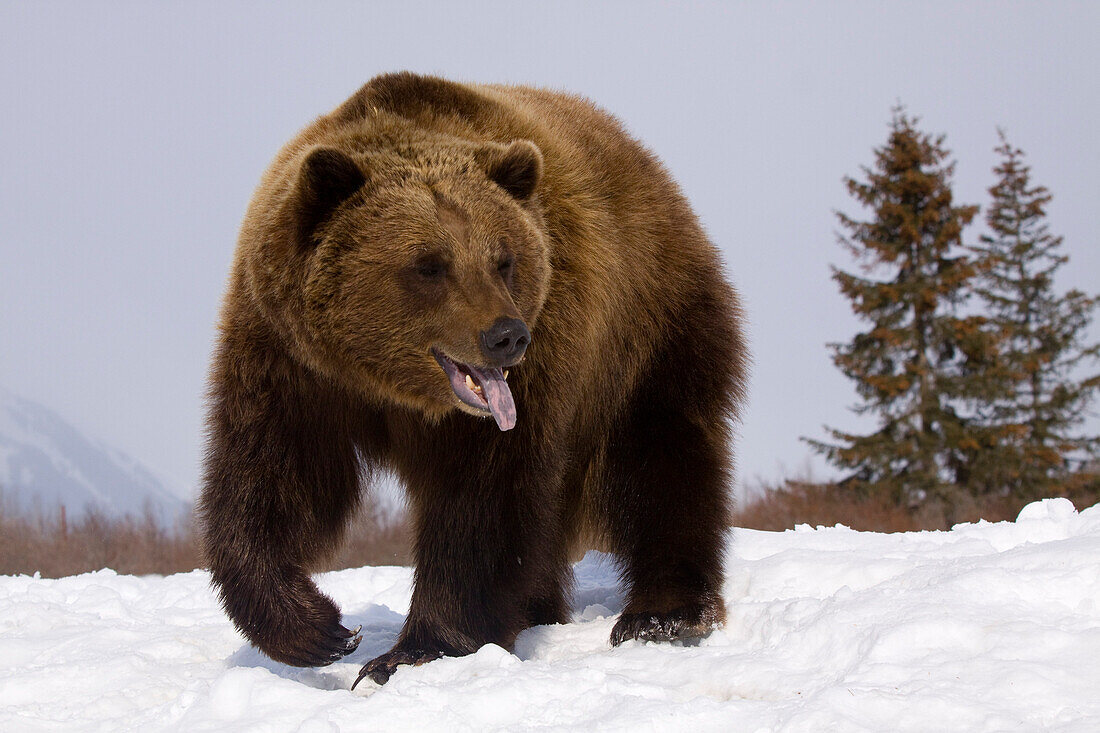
(326,179)
(516,167)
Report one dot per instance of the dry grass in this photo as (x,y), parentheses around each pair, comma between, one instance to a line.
(49,544)
(782,506)
(54,547)
(372,541)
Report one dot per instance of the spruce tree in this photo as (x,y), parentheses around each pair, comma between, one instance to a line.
(909,364)
(1031,402)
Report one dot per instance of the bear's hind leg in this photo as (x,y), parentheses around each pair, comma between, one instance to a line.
(551,600)
(549,607)
(664,494)
(668,524)
(487,544)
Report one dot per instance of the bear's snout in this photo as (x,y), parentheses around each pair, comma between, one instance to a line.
(504,342)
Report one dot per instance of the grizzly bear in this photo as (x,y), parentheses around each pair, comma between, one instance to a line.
(500,296)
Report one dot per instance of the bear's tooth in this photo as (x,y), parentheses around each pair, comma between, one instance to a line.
(505,373)
(470,383)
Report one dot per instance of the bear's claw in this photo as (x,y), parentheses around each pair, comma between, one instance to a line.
(381,668)
(687,622)
(336,644)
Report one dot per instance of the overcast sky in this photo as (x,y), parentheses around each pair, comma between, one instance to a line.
(132,135)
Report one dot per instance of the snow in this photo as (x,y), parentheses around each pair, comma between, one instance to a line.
(988,627)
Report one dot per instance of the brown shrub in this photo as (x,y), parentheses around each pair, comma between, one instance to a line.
(790,502)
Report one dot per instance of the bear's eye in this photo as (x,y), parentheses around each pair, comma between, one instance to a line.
(431,268)
(504,267)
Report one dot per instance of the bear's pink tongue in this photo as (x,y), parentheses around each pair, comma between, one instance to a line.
(495,390)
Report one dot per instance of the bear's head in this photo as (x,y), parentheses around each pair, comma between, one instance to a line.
(410,272)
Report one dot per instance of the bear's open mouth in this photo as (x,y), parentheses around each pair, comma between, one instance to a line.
(482,388)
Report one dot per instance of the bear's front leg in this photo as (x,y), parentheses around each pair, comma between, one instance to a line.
(281,478)
(488,548)
(285,616)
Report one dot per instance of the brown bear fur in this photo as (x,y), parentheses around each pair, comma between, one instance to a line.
(416,215)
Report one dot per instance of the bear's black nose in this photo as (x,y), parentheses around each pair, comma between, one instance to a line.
(504,342)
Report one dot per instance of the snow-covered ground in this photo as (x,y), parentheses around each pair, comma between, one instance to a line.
(988,627)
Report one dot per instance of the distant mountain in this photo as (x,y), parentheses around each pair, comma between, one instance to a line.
(45,462)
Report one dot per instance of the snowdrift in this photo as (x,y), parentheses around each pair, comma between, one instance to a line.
(987,627)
